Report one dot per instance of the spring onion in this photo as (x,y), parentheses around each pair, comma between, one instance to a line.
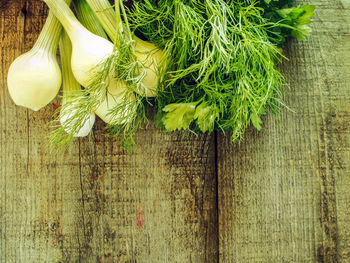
(34,78)
(87,18)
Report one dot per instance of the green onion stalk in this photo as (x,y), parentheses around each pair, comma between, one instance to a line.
(69,128)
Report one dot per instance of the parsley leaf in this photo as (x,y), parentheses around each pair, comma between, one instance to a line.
(206,116)
(179,116)
(298,18)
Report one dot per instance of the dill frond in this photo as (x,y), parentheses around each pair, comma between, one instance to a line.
(59,139)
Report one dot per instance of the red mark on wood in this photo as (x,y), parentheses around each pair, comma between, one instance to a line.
(93,177)
(100,179)
(140,218)
(55,106)
(99,135)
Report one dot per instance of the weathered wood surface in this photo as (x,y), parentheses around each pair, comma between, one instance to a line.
(101,204)
(282,195)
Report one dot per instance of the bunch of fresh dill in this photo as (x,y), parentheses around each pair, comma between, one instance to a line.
(222,59)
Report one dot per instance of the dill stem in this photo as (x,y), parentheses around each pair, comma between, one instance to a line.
(126,20)
(119,23)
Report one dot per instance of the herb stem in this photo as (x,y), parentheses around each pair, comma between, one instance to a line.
(126,20)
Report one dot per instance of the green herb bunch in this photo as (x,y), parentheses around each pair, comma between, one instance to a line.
(222,68)
(218,69)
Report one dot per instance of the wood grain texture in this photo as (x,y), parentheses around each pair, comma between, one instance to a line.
(157,205)
(99,204)
(284,193)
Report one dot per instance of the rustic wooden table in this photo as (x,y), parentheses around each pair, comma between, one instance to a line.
(282,195)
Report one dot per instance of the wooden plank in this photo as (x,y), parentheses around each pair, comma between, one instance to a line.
(156,205)
(284,192)
(36,188)
(100,204)
(12,32)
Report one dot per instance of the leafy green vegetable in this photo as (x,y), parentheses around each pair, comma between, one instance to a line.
(179,116)
(299,18)
(288,21)
(206,116)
